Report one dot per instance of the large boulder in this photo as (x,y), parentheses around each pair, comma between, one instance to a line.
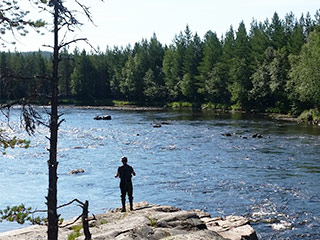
(104,117)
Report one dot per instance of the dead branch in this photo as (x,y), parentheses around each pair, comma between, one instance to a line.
(62,45)
(69,224)
(69,203)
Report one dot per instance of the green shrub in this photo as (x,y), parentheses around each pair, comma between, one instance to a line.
(208,105)
(236,107)
(214,106)
(311,114)
(176,105)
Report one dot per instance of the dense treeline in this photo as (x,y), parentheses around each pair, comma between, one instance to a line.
(275,66)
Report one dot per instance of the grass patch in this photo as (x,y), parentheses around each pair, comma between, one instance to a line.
(122,103)
(153,221)
(103,221)
(78,102)
(273,110)
(73,236)
(103,102)
(76,233)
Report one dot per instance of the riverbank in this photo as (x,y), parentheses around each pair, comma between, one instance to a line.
(152,222)
(276,116)
(311,117)
(121,107)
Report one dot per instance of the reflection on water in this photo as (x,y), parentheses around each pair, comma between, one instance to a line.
(194,160)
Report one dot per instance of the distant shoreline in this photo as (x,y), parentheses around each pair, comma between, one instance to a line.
(280,117)
(275,116)
(124,107)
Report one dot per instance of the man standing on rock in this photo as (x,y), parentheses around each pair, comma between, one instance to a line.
(125,173)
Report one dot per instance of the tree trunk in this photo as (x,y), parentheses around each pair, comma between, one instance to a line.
(53,163)
(85,221)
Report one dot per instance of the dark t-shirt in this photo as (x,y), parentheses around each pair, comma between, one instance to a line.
(125,173)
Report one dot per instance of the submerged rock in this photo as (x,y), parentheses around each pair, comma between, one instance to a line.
(76,171)
(257,135)
(151,222)
(226,134)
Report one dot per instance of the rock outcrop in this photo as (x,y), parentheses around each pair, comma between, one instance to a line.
(105,117)
(151,222)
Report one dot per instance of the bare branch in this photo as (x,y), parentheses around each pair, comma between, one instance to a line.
(69,203)
(63,120)
(44,124)
(69,224)
(38,211)
(47,46)
(85,10)
(62,45)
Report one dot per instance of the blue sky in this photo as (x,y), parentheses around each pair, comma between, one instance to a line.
(122,22)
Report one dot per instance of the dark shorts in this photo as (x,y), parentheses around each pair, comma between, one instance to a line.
(126,188)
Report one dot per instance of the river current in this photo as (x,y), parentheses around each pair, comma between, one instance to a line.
(194,160)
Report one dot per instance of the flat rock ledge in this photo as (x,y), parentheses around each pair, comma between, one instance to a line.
(152,222)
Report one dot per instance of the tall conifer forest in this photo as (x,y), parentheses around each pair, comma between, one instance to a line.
(272,67)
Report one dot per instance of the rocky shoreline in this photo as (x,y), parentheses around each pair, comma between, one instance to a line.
(152,222)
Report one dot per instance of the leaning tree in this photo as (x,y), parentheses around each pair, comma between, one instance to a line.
(65,20)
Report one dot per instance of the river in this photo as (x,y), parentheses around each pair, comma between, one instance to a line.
(194,160)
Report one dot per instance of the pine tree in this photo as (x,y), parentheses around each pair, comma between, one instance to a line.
(276,32)
(170,72)
(294,33)
(102,83)
(191,62)
(213,82)
(173,64)
(83,78)
(269,81)
(65,71)
(154,85)
(240,71)
(116,60)
(259,42)
(131,85)
(4,76)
